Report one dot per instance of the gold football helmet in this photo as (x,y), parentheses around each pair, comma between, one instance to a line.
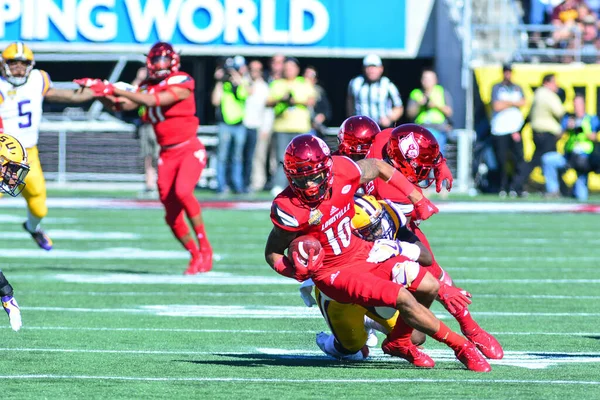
(368,214)
(17,51)
(13,165)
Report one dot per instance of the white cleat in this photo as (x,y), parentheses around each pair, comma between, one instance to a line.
(372,339)
(325,343)
(14,312)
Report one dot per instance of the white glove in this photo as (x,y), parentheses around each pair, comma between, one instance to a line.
(383,249)
(306,293)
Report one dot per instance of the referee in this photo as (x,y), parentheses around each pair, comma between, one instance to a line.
(374,95)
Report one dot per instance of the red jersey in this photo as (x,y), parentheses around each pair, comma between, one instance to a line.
(175,123)
(380,188)
(330,221)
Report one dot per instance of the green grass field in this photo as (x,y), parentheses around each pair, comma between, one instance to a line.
(107,313)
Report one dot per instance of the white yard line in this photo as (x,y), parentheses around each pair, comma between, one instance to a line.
(279,380)
(257,311)
(261,331)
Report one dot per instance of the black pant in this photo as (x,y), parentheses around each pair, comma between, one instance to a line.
(545,142)
(503,145)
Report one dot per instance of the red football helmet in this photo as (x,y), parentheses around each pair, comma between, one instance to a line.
(414,151)
(161,61)
(308,165)
(356,136)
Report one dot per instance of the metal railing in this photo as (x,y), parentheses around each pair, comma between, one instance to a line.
(107,151)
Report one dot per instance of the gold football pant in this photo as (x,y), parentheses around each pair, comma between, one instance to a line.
(347,321)
(35,185)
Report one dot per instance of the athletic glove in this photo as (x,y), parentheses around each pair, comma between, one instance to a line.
(382,250)
(453,298)
(425,209)
(442,173)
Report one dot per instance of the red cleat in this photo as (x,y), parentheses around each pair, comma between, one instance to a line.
(410,353)
(207,260)
(471,358)
(486,343)
(195,265)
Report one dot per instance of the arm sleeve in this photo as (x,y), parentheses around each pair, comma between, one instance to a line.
(495,91)
(46,82)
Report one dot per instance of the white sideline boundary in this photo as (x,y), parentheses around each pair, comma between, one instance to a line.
(445,207)
(279,380)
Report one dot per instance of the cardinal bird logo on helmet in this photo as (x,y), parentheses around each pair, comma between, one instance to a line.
(409,146)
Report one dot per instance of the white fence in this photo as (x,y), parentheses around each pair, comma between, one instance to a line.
(107,151)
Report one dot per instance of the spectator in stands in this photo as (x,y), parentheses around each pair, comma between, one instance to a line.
(229,95)
(291,98)
(148,145)
(431,106)
(589,38)
(275,72)
(545,115)
(507,121)
(565,17)
(257,134)
(374,95)
(321,112)
(581,131)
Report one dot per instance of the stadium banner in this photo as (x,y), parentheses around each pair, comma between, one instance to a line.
(583,78)
(315,28)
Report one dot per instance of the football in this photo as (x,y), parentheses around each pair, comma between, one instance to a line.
(302,245)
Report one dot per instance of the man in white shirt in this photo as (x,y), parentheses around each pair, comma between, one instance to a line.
(507,121)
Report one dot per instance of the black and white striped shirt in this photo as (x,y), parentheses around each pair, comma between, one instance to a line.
(373,99)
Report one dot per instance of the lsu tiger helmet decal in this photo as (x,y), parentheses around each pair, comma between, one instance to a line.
(17,63)
(368,221)
(13,165)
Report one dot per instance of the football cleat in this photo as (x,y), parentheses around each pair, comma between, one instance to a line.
(372,339)
(486,343)
(325,343)
(40,238)
(14,312)
(410,353)
(471,358)
(207,257)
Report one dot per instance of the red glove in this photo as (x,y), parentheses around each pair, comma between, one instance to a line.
(313,265)
(86,82)
(286,268)
(442,173)
(453,298)
(99,87)
(425,209)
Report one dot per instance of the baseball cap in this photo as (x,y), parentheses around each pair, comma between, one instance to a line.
(372,59)
(292,59)
(506,67)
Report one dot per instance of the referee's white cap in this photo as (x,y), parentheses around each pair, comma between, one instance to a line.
(372,59)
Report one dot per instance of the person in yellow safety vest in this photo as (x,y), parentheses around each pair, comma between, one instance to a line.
(581,130)
(229,97)
(431,107)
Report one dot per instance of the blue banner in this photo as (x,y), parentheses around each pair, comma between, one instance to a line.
(344,27)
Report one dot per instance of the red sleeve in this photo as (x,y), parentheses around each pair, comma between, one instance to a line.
(182,80)
(283,217)
(344,166)
(556,13)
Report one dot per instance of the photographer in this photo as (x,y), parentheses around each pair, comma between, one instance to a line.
(431,107)
(291,97)
(581,131)
(229,97)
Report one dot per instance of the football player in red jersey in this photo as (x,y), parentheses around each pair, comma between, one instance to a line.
(414,151)
(320,201)
(356,136)
(168,95)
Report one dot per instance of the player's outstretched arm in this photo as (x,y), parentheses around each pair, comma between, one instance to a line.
(165,98)
(372,168)
(80,95)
